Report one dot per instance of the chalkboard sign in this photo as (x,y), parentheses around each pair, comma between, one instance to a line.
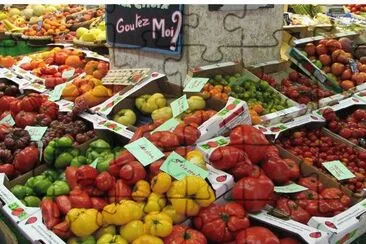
(151,27)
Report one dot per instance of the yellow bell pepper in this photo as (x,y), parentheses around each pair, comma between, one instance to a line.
(161,183)
(155,202)
(121,213)
(84,222)
(132,230)
(148,239)
(111,239)
(158,224)
(176,217)
(190,194)
(141,191)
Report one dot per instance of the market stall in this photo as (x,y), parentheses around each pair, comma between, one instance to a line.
(269,150)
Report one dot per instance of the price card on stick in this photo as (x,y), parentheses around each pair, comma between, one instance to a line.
(145,152)
(195,84)
(36,132)
(178,167)
(8,119)
(179,106)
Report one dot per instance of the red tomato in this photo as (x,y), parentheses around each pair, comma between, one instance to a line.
(256,234)
(49,108)
(220,223)
(185,235)
(5,103)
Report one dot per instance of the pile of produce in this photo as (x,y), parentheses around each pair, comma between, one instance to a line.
(298,87)
(359,9)
(337,60)
(154,108)
(32,109)
(7,89)
(18,154)
(316,148)
(353,127)
(50,26)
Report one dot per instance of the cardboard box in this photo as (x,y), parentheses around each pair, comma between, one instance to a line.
(221,122)
(232,68)
(344,227)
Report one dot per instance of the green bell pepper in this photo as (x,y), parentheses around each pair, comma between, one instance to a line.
(63,160)
(100,146)
(64,142)
(51,174)
(39,184)
(78,161)
(104,161)
(21,191)
(57,188)
(32,201)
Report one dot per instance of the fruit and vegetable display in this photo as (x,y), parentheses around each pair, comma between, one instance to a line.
(298,87)
(316,148)
(337,58)
(352,126)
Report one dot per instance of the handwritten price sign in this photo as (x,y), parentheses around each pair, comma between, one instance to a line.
(195,84)
(179,106)
(338,170)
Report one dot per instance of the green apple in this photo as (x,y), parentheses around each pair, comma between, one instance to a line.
(164,113)
(196,103)
(109,229)
(126,117)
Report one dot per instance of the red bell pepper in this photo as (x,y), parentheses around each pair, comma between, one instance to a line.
(50,213)
(63,203)
(85,175)
(104,181)
(132,172)
(116,164)
(70,175)
(79,198)
(119,192)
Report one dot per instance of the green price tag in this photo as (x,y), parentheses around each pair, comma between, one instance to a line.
(195,84)
(178,167)
(338,170)
(291,188)
(55,95)
(179,106)
(94,163)
(36,132)
(168,125)
(8,119)
(145,152)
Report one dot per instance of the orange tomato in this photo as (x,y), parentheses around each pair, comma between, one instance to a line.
(252,112)
(256,119)
(207,87)
(224,96)
(219,87)
(227,89)
(258,108)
